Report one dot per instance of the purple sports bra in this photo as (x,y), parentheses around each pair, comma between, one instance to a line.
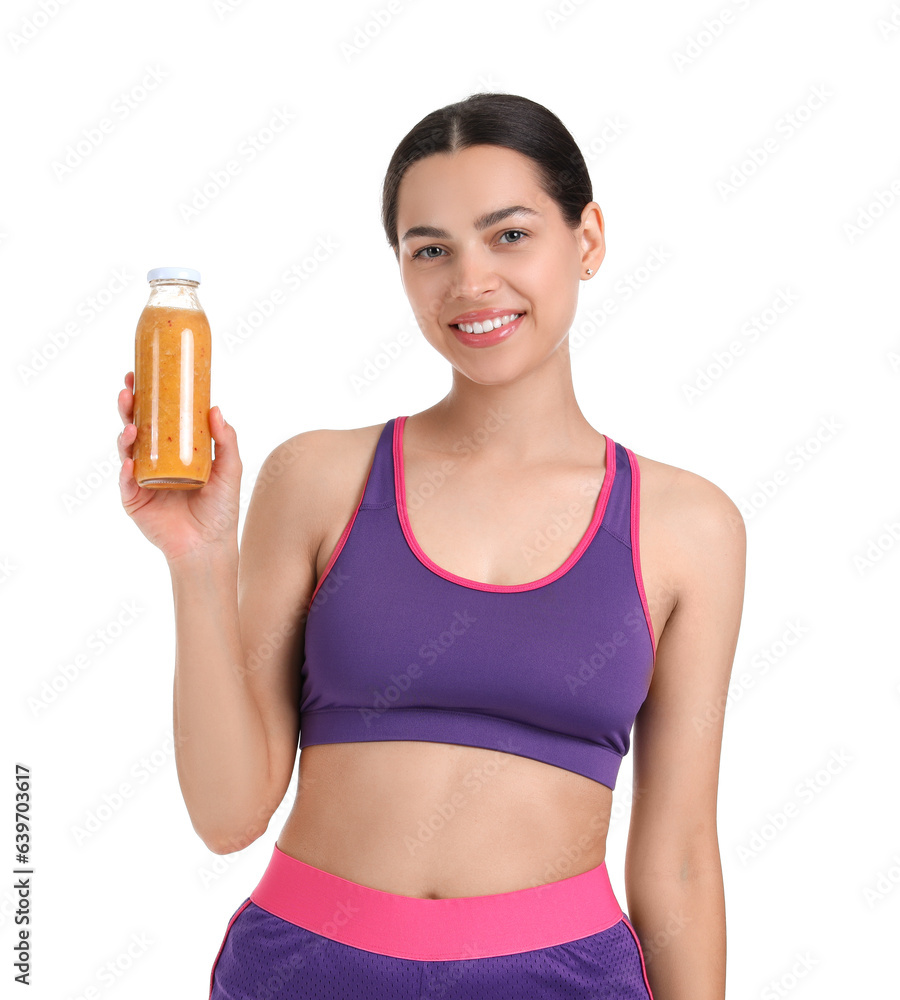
(397,648)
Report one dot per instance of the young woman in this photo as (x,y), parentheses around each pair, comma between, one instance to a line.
(460,615)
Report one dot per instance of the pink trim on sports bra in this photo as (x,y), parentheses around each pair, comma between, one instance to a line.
(635,541)
(599,509)
(345,534)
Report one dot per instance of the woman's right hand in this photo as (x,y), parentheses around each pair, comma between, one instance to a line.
(180,522)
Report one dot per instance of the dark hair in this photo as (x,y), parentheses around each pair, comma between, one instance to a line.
(495,120)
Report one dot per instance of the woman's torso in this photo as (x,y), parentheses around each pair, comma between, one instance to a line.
(437,820)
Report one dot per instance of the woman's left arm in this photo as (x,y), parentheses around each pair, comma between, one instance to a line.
(673,871)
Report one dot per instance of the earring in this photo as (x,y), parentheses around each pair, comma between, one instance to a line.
(590,270)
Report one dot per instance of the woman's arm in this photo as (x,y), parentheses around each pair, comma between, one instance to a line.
(239,620)
(673,871)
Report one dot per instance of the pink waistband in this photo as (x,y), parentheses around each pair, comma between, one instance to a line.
(436,929)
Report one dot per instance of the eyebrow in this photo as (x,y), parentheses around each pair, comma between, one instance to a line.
(483,222)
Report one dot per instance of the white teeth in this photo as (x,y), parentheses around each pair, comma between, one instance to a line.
(488,324)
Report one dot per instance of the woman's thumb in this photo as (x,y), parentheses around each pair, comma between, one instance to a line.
(224,436)
(217,422)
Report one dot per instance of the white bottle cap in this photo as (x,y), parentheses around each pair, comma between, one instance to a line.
(174,272)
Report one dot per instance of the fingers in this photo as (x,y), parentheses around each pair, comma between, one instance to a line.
(125,442)
(128,487)
(125,404)
(125,399)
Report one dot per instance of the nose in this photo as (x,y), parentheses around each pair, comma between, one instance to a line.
(472,275)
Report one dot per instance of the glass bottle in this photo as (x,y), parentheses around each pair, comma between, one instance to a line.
(172,450)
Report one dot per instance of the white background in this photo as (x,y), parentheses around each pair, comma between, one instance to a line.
(667,109)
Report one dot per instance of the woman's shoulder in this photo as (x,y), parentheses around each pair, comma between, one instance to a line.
(328,441)
(312,481)
(323,458)
(692,534)
(685,502)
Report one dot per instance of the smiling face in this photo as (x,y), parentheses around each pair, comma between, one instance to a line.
(479,235)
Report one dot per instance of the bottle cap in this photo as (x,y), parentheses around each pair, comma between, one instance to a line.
(174,272)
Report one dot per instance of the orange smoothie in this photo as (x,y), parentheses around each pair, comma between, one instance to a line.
(171,399)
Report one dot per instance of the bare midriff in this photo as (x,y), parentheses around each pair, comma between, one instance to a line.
(171,398)
(438,820)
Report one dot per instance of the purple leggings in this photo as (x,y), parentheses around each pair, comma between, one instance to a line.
(304,933)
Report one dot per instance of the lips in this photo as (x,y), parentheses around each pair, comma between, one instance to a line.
(478,315)
(491,337)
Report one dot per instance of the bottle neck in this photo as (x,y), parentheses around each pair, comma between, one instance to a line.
(174,293)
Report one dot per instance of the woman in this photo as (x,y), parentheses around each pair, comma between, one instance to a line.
(459,614)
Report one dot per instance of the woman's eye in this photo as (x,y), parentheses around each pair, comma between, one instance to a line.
(426,256)
(422,251)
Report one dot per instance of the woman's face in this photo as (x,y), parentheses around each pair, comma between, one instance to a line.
(455,258)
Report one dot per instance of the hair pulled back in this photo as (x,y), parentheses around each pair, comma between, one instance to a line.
(496,120)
